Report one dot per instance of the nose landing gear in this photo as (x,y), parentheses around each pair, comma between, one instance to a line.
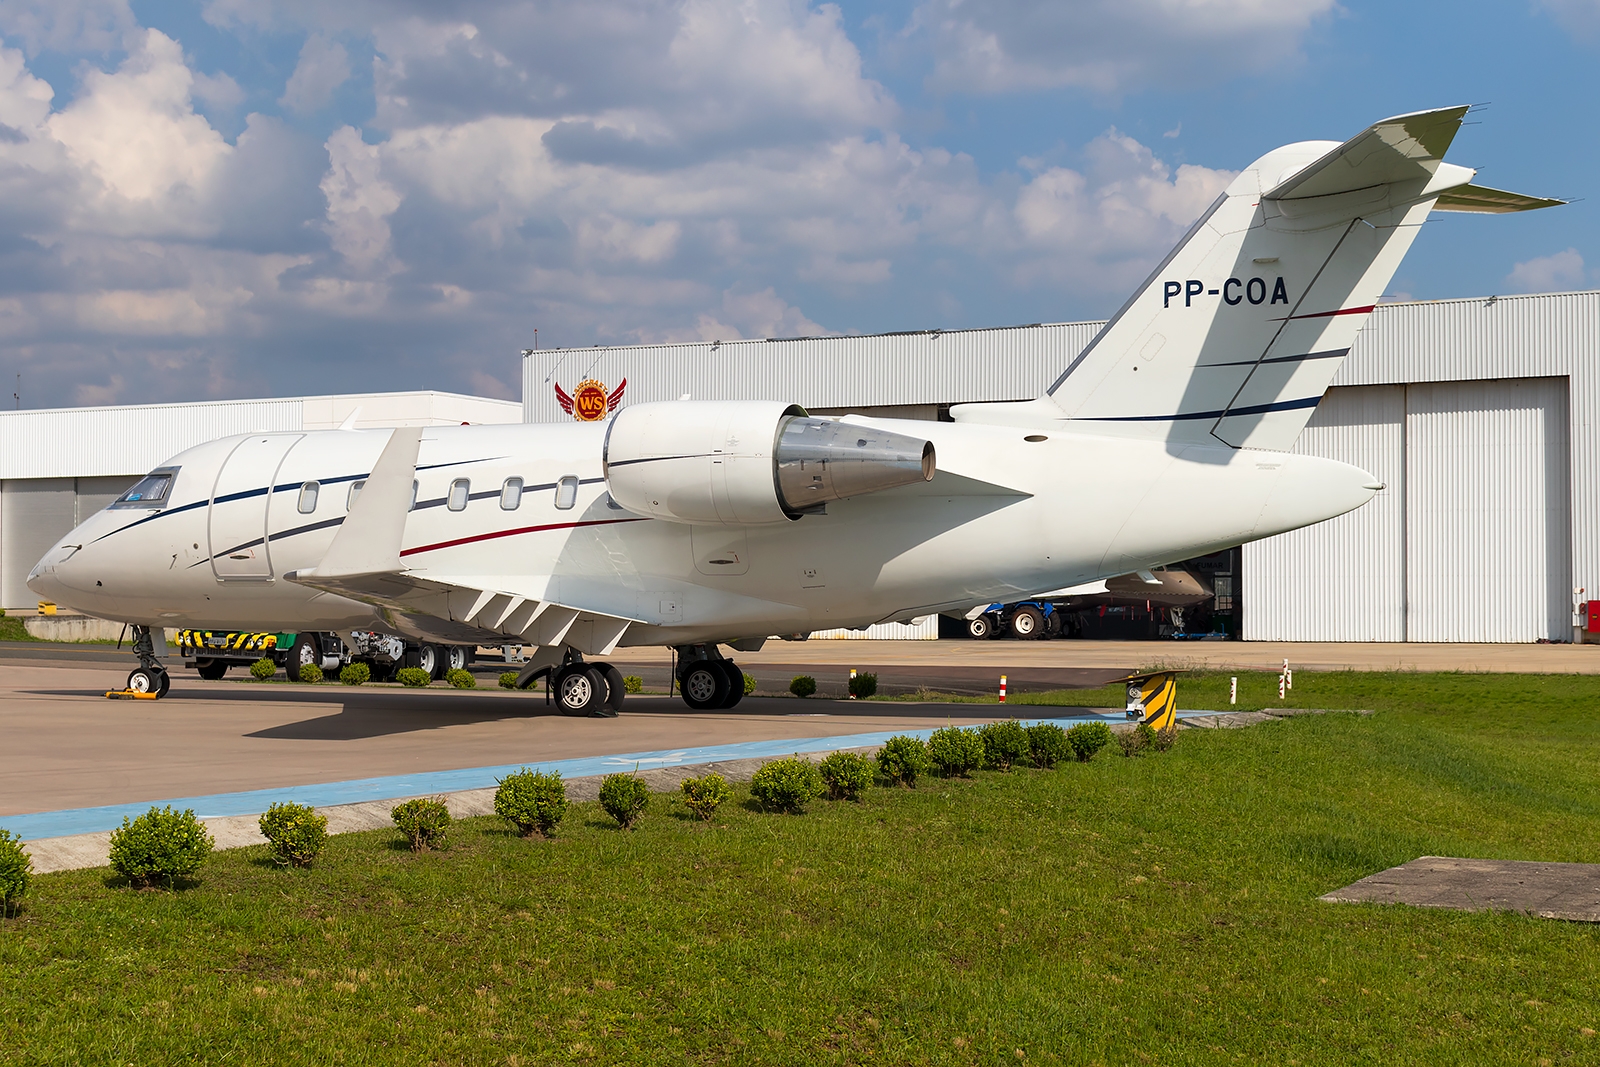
(150,676)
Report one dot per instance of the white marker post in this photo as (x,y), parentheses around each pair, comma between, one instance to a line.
(852,683)
(1233,690)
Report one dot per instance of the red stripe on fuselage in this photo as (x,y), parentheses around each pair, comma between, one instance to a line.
(513,533)
(1329,314)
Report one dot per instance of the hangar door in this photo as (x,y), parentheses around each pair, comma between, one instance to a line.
(1488,524)
(35,514)
(1468,541)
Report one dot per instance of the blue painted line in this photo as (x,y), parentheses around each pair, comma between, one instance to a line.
(69,821)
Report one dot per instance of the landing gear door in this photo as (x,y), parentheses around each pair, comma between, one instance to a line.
(237,518)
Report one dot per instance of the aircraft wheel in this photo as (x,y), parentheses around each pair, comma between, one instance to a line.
(455,658)
(704,685)
(980,627)
(1027,624)
(1052,624)
(735,683)
(580,689)
(616,689)
(149,680)
(210,669)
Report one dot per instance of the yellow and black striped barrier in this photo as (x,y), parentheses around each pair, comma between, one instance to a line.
(195,641)
(1153,698)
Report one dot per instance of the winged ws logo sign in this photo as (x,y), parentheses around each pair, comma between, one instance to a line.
(589,401)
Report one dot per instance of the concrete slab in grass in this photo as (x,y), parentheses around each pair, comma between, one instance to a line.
(1548,890)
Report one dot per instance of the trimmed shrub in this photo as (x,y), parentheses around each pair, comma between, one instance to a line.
(414,677)
(863,685)
(356,674)
(624,797)
(1047,744)
(1087,738)
(786,784)
(297,833)
(310,673)
(749,684)
(161,845)
(422,821)
(532,801)
(1164,739)
(508,680)
(461,678)
(263,668)
(846,774)
(15,867)
(1004,743)
(955,752)
(705,794)
(803,685)
(902,758)
(1136,740)
(632,683)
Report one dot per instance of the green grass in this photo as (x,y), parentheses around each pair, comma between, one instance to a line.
(1153,910)
(11,629)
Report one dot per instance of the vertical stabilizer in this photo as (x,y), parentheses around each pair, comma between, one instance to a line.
(1237,334)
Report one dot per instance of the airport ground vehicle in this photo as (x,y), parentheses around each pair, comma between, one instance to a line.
(211,653)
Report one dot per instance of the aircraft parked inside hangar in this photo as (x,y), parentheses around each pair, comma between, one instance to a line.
(698,523)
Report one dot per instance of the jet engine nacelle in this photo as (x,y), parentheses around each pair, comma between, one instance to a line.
(733,463)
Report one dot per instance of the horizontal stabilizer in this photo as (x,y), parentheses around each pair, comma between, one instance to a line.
(1402,149)
(1482,199)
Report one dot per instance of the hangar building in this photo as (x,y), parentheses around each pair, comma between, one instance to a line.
(1481,416)
(59,466)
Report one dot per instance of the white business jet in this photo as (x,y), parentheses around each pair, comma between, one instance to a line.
(700,524)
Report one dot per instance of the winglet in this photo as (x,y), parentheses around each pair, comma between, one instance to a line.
(369,540)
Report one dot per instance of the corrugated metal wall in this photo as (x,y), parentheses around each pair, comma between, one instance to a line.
(99,442)
(1344,579)
(1487,550)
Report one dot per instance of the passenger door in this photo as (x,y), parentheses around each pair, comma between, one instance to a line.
(237,517)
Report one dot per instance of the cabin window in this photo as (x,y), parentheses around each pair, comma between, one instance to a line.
(460,491)
(308,498)
(567,492)
(355,491)
(511,494)
(151,491)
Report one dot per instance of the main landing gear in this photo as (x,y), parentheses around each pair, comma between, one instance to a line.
(577,686)
(150,676)
(707,680)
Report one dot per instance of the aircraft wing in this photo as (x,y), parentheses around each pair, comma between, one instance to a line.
(522,615)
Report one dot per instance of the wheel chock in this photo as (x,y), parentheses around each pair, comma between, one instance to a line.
(129,694)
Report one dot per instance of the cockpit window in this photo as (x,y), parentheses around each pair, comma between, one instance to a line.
(152,491)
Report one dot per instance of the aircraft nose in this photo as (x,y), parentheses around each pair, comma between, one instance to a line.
(52,576)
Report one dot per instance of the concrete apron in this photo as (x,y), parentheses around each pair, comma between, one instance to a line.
(81,851)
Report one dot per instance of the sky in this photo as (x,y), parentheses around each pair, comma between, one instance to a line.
(243,198)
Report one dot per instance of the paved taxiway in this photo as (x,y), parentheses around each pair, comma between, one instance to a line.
(69,747)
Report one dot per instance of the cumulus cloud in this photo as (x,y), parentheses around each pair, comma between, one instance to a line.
(1562,270)
(1580,18)
(66,25)
(659,169)
(324,66)
(1108,46)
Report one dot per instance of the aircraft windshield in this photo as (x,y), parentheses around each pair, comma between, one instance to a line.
(151,491)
